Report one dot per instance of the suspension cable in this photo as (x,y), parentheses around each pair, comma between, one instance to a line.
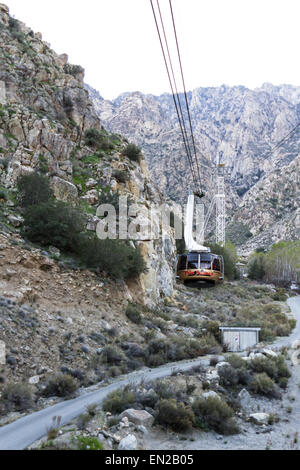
(185,93)
(174,97)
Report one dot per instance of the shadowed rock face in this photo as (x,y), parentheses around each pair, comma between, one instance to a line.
(238,125)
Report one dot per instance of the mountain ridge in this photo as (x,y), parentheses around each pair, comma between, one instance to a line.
(235,125)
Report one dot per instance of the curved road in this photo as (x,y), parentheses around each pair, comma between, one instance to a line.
(25,431)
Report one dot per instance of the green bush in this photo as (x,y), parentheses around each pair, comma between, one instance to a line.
(132,152)
(264,364)
(121,176)
(33,189)
(262,384)
(174,415)
(133,314)
(61,385)
(275,368)
(118,259)
(213,413)
(112,355)
(256,270)
(119,401)
(16,397)
(88,443)
(236,361)
(230,259)
(83,420)
(98,139)
(54,223)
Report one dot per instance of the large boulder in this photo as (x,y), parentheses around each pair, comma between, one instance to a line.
(140,417)
(296,344)
(244,398)
(64,190)
(128,443)
(269,353)
(259,418)
(210,394)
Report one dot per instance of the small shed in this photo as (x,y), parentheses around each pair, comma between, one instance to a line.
(238,338)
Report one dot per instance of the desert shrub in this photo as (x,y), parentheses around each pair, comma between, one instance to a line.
(156,360)
(54,223)
(261,364)
(3,194)
(174,415)
(133,314)
(16,397)
(187,322)
(262,384)
(119,401)
(121,176)
(283,372)
(88,443)
(273,418)
(132,152)
(119,259)
(112,355)
(207,344)
(92,409)
(280,295)
(236,361)
(177,349)
(33,189)
(228,376)
(83,420)
(61,385)
(113,421)
(214,414)
(275,368)
(214,361)
(98,139)
(213,328)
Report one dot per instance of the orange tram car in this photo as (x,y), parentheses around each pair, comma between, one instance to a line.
(199,266)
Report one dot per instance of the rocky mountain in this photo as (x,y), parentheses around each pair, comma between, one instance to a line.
(45,112)
(234,125)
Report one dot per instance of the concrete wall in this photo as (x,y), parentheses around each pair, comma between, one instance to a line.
(239,340)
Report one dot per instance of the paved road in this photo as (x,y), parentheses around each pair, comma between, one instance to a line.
(25,431)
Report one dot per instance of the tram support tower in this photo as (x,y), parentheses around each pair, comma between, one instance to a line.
(220,206)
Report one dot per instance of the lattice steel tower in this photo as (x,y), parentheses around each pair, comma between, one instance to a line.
(220,206)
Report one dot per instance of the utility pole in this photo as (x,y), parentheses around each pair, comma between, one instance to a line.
(220,206)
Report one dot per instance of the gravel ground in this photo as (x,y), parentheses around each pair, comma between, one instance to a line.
(280,436)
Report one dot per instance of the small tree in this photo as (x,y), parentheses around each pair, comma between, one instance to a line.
(120,260)
(230,258)
(54,223)
(33,189)
(133,152)
(256,268)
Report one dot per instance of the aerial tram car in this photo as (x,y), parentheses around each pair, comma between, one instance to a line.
(198,264)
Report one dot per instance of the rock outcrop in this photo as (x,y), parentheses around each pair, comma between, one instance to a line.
(45,112)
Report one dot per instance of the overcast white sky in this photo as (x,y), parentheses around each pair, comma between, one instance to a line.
(236,42)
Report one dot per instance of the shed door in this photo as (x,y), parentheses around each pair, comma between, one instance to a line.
(232,338)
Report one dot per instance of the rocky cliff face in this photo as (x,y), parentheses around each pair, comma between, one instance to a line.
(234,124)
(45,111)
